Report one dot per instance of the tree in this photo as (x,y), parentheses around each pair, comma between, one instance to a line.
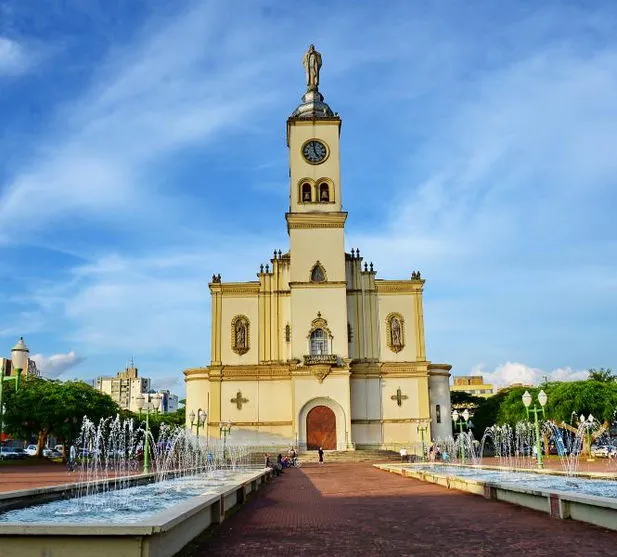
(463,399)
(602,375)
(490,411)
(44,407)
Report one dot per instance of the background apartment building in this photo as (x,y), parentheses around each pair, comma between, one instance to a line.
(473,385)
(127,386)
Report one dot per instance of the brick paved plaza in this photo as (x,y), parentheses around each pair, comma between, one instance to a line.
(356,510)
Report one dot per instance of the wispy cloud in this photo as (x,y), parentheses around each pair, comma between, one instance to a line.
(14,58)
(513,372)
(174,86)
(57,364)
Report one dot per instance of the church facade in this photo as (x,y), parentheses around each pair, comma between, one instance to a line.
(318,350)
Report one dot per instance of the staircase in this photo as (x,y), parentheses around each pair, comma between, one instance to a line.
(360,455)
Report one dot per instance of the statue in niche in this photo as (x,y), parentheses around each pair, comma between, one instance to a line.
(317,274)
(240,334)
(396,338)
(312,64)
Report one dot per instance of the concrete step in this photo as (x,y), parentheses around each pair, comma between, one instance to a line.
(351,456)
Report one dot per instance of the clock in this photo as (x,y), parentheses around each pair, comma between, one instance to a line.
(314,151)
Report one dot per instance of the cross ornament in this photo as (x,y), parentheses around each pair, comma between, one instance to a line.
(239,401)
(399,397)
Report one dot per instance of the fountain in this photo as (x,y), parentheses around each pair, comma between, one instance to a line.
(114,508)
(517,475)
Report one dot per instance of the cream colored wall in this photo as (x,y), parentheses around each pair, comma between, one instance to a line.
(411,407)
(197,395)
(328,132)
(279,309)
(362,312)
(310,245)
(366,398)
(403,304)
(268,401)
(306,302)
(232,306)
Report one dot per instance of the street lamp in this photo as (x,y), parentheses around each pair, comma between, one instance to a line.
(200,421)
(152,404)
(422,428)
(542,399)
(20,362)
(225,430)
(588,424)
(464,422)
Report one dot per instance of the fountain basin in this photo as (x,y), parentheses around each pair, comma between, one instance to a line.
(160,534)
(558,503)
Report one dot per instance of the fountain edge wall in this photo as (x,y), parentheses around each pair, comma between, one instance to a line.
(161,535)
(600,511)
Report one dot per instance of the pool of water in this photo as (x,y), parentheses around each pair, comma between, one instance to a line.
(541,482)
(130,505)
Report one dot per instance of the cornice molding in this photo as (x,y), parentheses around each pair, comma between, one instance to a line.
(390,421)
(315,220)
(330,284)
(195,371)
(254,424)
(440,369)
(398,286)
(235,288)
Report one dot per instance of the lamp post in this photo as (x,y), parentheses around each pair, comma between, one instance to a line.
(198,420)
(150,405)
(422,428)
(542,399)
(19,359)
(461,424)
(587,424)
(225,430)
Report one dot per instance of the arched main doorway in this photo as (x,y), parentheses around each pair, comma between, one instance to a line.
(321,428)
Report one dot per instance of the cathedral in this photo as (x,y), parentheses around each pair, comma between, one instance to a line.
(319,351)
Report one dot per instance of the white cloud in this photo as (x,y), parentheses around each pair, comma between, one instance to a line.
(176,85)
(55,365)
(514,372)
(13,57)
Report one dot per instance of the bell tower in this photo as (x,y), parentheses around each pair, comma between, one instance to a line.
(315,221)
(313,133)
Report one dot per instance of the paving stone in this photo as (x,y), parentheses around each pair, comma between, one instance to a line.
(356,510)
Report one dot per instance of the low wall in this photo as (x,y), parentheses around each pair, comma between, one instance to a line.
(601,511)
(160,535)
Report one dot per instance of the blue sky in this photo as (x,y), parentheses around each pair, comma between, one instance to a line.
(142,149)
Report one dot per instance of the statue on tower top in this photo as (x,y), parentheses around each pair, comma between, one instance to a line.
(312,64)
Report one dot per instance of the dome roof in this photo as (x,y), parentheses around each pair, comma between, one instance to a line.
(20,346)
(313,107)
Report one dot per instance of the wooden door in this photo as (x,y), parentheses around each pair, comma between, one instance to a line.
(321,428)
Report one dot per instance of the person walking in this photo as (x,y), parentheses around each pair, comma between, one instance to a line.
(320,453)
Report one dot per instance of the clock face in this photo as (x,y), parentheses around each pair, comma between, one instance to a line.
(314,151)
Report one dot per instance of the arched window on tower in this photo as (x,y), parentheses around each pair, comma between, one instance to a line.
(319,342)
(306,193)
(324,193)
